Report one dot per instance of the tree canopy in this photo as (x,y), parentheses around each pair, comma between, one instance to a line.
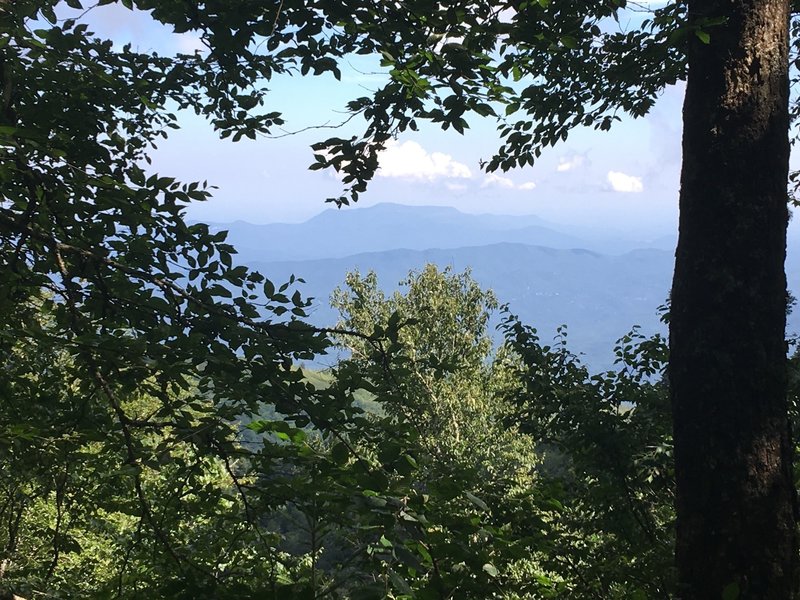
(136,349)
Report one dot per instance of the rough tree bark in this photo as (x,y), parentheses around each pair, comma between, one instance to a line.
(736,501)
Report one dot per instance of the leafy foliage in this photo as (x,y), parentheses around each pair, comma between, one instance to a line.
(539,68)
(133,344)
(572,471)
(609,440)
(443,384)
(156,434)
(439,490)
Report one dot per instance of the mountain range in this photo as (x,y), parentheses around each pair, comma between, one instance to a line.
(339,233)
(598,283)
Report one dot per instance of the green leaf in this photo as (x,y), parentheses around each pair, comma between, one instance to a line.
(569,41)
(731,591)
(702,36)
(48,13)
(476,501)
(269,288)
(340,453)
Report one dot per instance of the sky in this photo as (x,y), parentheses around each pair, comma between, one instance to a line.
(625,179)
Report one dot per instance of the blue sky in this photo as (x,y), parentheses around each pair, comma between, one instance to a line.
(625,179)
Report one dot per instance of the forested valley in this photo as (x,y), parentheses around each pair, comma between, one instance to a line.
(165,433)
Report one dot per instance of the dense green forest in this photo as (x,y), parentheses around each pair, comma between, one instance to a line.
(160,436)
(432,466)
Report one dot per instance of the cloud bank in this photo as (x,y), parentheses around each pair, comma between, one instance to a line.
(568,163)
(409,160)
(495,180)
(620,182)
(498,181)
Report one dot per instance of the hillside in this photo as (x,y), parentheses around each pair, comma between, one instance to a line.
(599,297)
(598,283)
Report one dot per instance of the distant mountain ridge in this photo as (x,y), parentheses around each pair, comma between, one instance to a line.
(599,284)
(599,297)
(337,233)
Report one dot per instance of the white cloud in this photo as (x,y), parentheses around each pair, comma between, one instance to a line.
(620,182)
(498,181)
(495,180)
(455,187)
(568,163)
(409,160)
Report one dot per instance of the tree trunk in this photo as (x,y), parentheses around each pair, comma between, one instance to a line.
(736,503)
